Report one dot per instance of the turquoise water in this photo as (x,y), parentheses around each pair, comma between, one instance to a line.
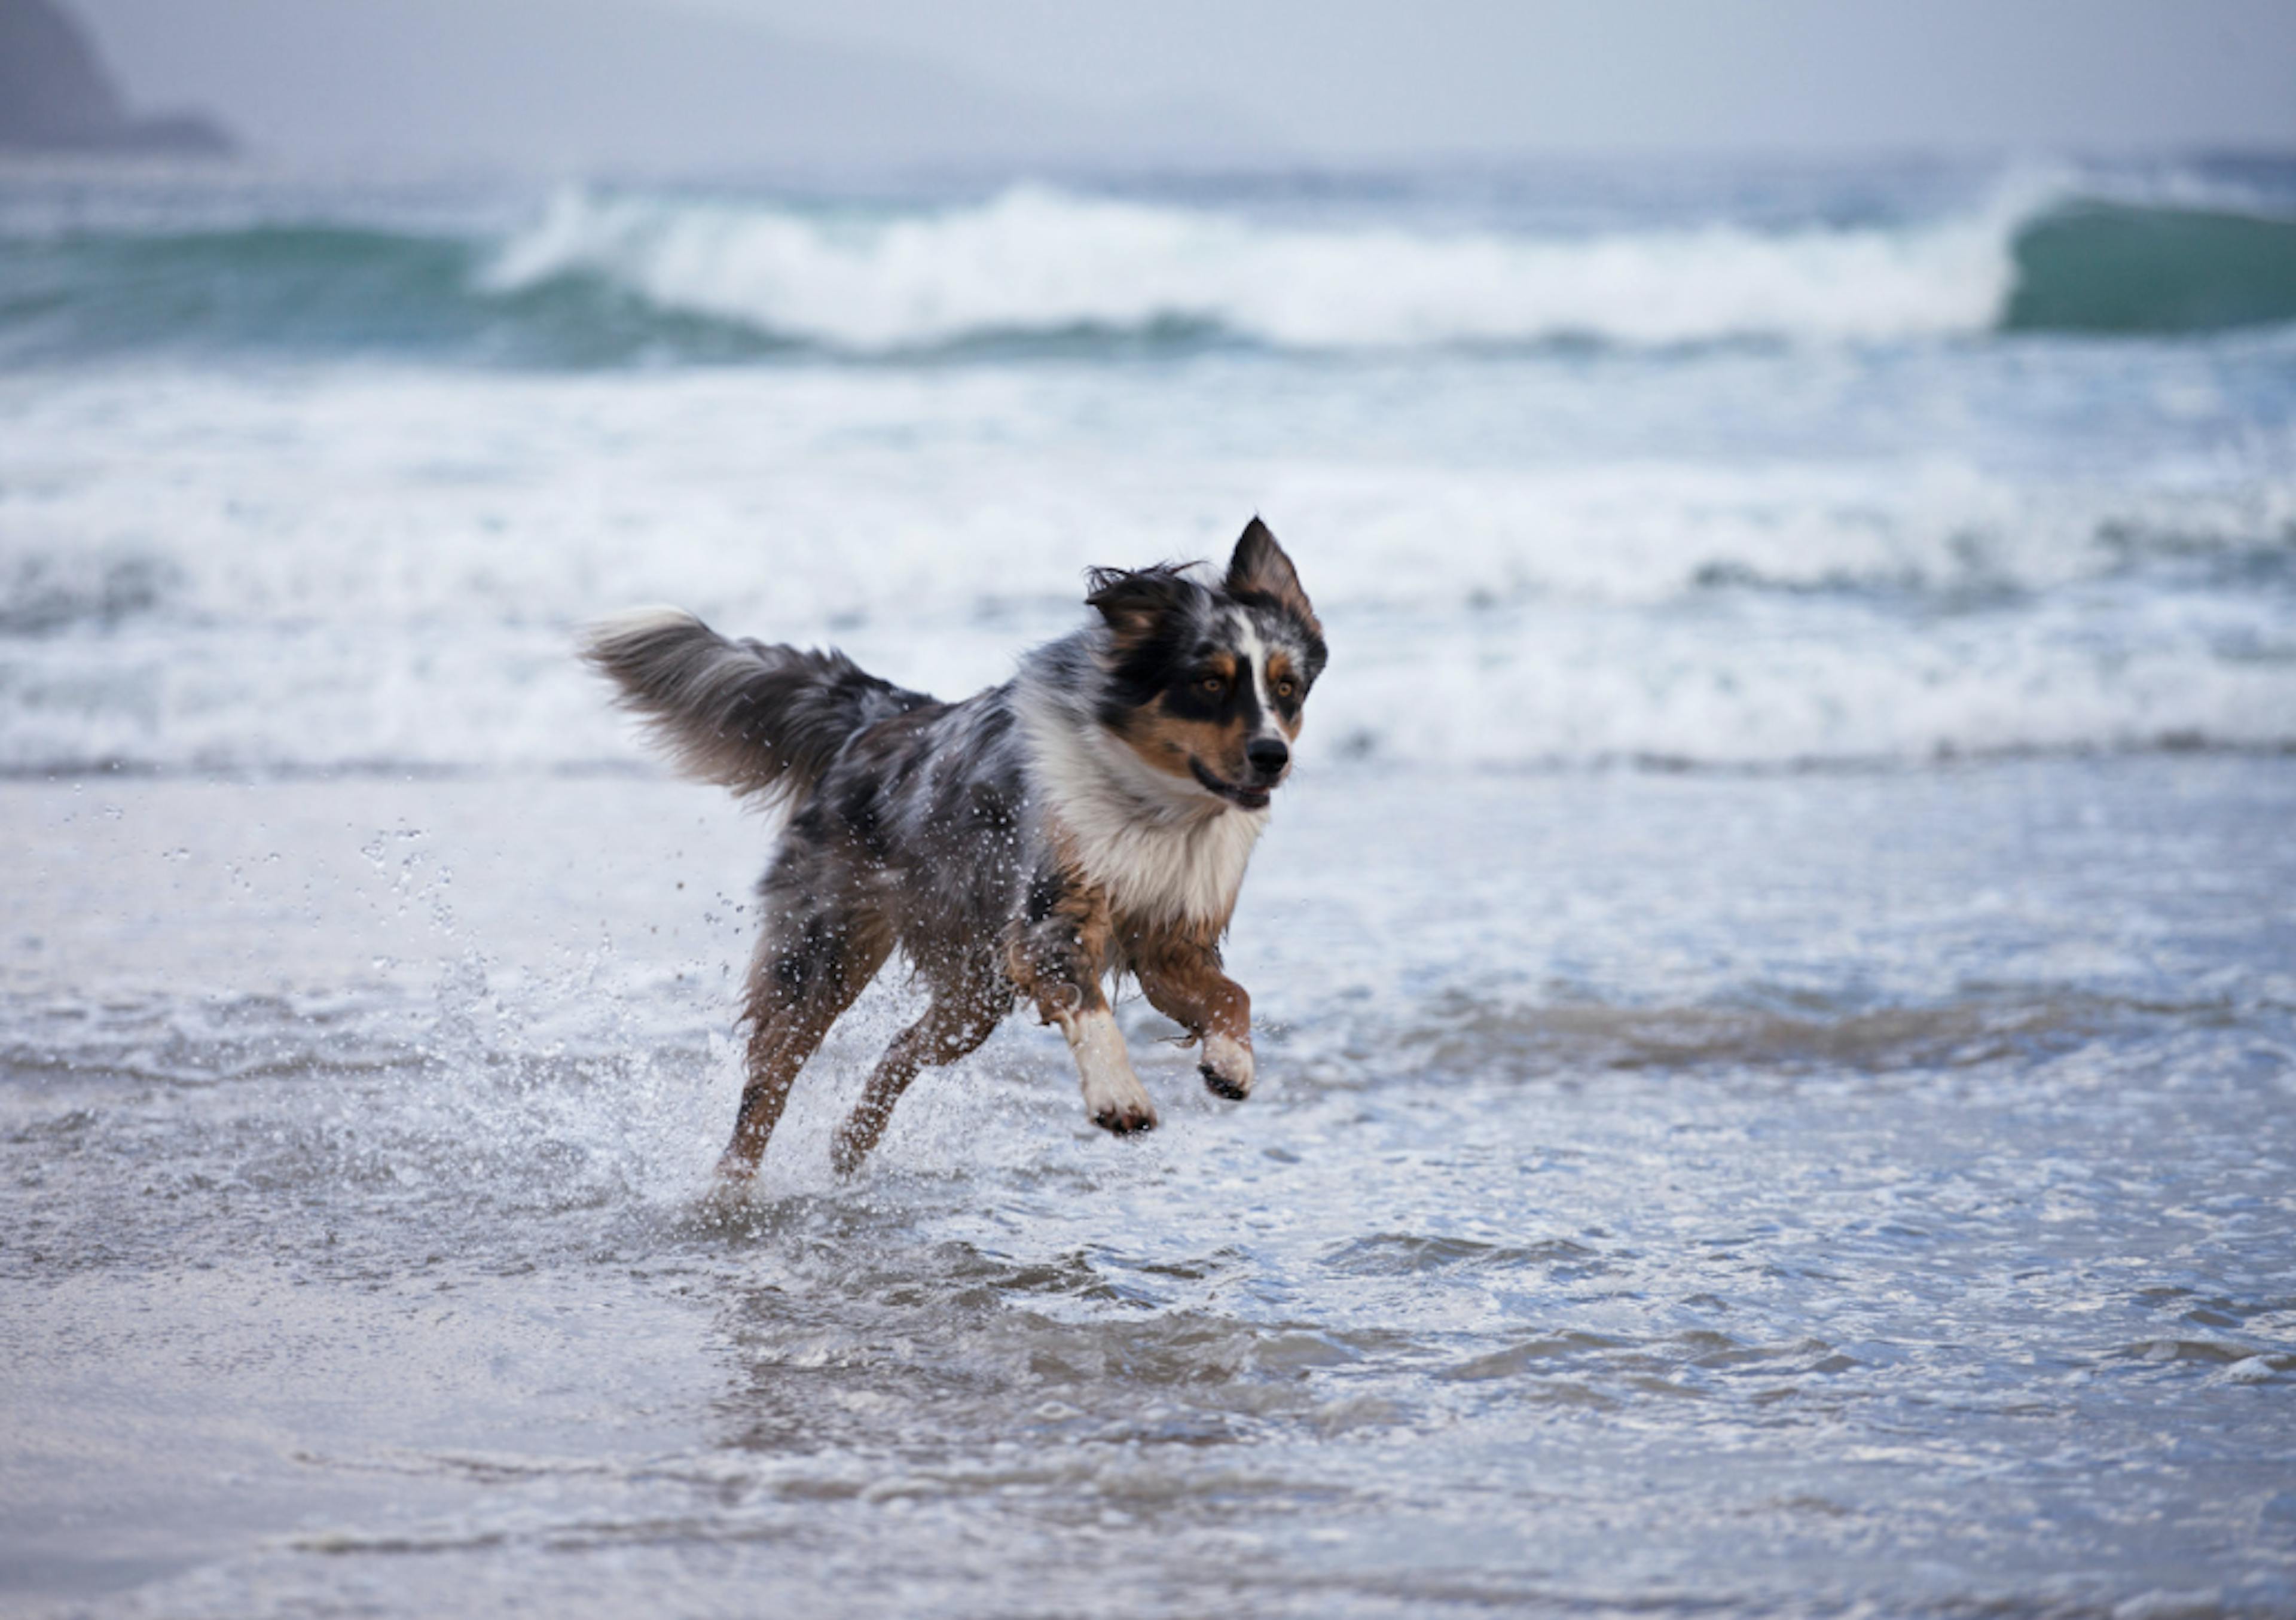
(1116,270)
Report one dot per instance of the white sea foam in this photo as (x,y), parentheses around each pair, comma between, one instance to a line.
(1035,259)
(387,567)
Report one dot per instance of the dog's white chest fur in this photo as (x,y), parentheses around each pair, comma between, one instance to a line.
(1161,848)
(1154,871)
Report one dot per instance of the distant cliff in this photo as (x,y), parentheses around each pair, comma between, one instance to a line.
(55,95)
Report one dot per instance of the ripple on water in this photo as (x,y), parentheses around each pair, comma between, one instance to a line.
(1784,1300)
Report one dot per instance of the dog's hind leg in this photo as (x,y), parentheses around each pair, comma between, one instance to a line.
(810,965)
(958,1021)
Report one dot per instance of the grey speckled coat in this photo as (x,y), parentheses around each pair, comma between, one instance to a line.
(1092,816)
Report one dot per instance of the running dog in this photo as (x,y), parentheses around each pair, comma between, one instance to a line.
(1092,817)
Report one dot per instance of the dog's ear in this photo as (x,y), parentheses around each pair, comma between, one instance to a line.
(1261,568)
(1136,600)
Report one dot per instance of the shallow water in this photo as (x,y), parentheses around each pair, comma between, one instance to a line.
(1782,1193)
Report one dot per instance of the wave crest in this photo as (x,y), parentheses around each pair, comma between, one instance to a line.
(608,280)
(1037,260)
(2104,266)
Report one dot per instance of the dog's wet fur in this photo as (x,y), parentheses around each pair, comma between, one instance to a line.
(1089,819)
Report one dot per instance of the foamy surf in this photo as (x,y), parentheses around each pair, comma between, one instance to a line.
(1034,259)
(597,277)
(383,572)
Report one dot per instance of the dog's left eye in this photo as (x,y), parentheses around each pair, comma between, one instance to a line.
(1285,688)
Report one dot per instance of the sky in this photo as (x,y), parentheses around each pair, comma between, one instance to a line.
(668,82)
(1362,77)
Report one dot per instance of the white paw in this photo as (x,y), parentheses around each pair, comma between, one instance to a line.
(1113,1095)
(1227,1067)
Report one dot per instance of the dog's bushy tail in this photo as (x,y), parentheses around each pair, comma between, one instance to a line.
(762,720)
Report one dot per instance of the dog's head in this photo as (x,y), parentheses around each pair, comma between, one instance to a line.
(1206,683)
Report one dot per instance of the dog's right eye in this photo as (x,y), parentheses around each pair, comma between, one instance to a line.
(1212,685)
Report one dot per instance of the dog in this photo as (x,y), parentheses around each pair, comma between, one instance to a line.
(1090,819)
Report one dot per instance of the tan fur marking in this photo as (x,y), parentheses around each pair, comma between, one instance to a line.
(1279,668)
(1057,961)
(954,1027)
(1064,982)
(785,1029)
(1179,971)
(1167,742)
(1178,967)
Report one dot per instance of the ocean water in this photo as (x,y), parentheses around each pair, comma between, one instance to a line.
(1777,971)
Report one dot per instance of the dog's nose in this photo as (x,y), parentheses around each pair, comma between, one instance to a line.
(1266,754)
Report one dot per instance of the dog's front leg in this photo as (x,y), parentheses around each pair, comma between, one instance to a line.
(1183,980)
(1056,955)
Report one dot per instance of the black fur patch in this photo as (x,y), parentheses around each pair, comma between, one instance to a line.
(1159,618)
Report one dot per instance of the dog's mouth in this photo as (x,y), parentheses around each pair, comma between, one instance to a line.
(1249,798)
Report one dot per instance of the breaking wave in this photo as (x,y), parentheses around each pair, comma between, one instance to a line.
(1035,260)
(608,280)
(2103,267)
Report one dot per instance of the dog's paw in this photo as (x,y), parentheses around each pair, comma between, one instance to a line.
(1113,1095)
(1127,1118)
(846,1157)
(1226,1068)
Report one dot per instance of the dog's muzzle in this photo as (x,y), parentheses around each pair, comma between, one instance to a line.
(1250,795)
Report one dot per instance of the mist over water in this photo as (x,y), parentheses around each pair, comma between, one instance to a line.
(1773,974)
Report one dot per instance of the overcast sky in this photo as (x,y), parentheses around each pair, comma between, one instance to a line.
(1363,77)
(696,82)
